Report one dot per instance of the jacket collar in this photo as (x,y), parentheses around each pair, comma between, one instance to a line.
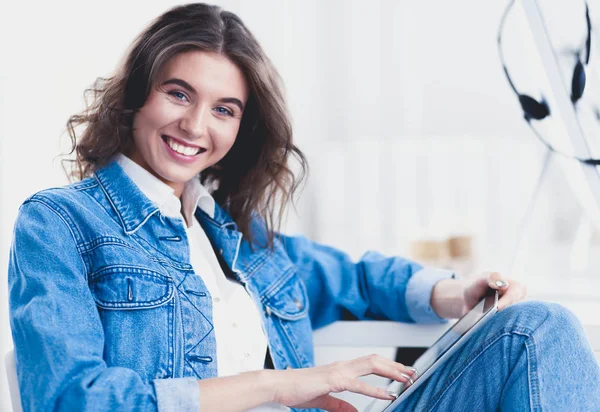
(133,208)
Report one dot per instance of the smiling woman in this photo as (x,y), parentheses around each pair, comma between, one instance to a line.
(199,77)
(191,117)
(158,280)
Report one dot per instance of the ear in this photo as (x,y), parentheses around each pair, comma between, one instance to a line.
(532,108)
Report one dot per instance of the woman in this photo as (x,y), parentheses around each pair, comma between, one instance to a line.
(158,281)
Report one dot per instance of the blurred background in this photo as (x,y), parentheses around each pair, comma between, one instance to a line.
(414,140)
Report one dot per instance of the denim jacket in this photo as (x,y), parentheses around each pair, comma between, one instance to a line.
(107,313)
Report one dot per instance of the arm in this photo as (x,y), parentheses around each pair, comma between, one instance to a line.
(57,331)
(374,287)
(447,298)
(301,388)
(59,343)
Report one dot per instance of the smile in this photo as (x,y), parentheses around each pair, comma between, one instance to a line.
(182,148)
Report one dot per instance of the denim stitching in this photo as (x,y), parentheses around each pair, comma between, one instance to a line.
(278,285)
(181,345)
(256,264)
(193,369)
(460,370)
(106,240)
(83,185)
(110,200)
(110,270)
(291,341)
(140,272)
(42,200)
(534,384)
(171,327)
(212,327)
(182,292)
(167,260)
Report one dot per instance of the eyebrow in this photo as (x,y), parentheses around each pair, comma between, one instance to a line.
(189,88)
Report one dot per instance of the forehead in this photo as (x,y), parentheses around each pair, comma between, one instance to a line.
(209,73)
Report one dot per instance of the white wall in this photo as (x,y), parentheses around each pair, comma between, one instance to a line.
(401,107)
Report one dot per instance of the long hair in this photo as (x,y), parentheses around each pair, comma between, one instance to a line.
(254,179)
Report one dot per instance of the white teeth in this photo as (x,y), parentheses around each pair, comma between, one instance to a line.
(190,151)
(181,149)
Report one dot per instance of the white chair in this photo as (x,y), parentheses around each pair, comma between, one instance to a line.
(379,333)
(13,383)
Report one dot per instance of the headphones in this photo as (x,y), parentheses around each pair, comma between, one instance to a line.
(538,110)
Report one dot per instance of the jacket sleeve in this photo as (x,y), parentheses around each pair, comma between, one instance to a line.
(58,333)
(375,287)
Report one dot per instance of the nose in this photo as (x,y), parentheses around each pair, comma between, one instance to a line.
(195,121)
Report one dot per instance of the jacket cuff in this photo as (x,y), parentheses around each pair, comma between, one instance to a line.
(177,395)
(418,294)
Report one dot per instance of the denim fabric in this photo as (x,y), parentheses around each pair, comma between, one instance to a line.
(107,313)
(532,356)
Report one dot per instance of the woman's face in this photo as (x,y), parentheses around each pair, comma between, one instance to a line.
(191,117)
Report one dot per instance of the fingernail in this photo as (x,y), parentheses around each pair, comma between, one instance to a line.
(412,370)
(501,283)
(392,394)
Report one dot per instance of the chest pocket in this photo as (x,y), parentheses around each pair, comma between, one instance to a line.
(125,287)
(136,307)
(288,301)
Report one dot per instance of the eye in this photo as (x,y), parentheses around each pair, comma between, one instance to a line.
(178,95)
(224,110)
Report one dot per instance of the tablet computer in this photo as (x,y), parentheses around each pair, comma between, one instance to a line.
(441,350)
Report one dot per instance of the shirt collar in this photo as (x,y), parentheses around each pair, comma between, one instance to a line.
(133,208)
(194,193)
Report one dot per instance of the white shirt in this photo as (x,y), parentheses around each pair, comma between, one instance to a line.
(240,337)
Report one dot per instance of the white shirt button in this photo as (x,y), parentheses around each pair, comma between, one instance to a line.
(247,354)
(234,325)
(217,299)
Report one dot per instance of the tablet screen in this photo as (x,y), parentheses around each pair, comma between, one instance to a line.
(448,339)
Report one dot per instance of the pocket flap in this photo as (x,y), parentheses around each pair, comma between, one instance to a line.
(290,300)
(130,288)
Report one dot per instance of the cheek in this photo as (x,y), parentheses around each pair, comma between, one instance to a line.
(226,139)
(154,115)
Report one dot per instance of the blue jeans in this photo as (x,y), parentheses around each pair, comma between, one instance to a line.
(531,356)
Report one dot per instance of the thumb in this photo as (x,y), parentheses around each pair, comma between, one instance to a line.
(496,281)
(331,404)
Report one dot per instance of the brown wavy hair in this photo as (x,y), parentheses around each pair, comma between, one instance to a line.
(253,179)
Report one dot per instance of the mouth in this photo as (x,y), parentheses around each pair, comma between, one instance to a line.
(182,148)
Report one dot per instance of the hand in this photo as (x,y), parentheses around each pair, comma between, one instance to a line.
(310,387)
(510,290)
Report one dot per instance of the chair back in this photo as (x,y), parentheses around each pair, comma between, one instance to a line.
(13,383)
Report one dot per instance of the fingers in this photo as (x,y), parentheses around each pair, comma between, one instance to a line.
(510,292)
(497,281)
(514,294)
(356,386)
(378,365)
(342,375)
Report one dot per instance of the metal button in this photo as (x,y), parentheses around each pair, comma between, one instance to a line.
(268,310)
(220,251)
(299,304)
(288,367)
